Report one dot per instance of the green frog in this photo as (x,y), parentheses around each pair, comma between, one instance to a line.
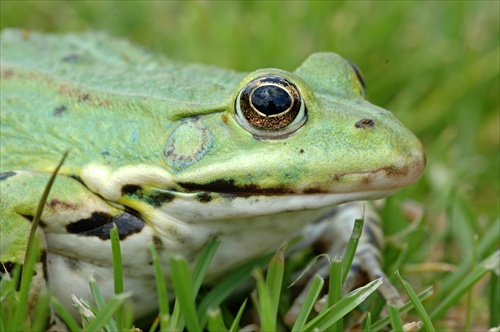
(178,154)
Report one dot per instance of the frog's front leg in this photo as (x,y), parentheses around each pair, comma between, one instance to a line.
(71,211)
(367,261)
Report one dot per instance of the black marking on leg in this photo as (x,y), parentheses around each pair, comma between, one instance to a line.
(100,223)
(6,175)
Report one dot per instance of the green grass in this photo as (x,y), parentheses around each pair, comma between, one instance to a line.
(434,64)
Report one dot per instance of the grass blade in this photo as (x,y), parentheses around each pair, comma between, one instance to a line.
(426,320)
(350,251)
(394,315)
(274,279)
(342,307)
(183,287)
(405,308)
(267,320)
(117,274)
(32,253)
(367,325)
(491,263)
(161,289)
(335,287)
(66,317)
(103,316)
(100,303)
(203,262)
(215,321)
(307,307)
(236,321)
(223,289)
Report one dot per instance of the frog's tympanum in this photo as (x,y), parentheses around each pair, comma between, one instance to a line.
(176,155)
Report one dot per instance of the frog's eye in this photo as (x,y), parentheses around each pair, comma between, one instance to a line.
(270,106)
(360,77)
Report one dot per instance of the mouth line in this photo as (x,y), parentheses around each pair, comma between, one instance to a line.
(392,178)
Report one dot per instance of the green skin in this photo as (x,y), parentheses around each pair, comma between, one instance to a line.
(162,139)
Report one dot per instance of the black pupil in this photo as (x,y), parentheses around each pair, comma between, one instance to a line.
(271,99)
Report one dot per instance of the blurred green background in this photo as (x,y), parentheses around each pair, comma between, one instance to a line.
(434,64)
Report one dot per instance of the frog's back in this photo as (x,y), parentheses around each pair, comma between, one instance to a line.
(102,98)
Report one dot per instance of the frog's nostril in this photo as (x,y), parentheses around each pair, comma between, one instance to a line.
(364,123)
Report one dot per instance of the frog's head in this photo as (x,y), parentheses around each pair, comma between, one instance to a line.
(310,132)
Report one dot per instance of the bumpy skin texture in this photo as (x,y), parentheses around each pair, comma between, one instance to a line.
(157,147)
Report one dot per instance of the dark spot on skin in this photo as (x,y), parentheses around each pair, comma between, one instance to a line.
(391,171)
(100,223)
(6,175)
(301,150)
(365,123)
(160,198)
(57,204)
(366,180)
(204,197)
(174,232)
(158,243)
(72,264)
(58,111)
(131,189)
(229,186)
(96,220)
(224,118)
(314,190)
(72,58)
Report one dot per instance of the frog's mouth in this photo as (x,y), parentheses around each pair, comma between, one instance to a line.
(385,179)
(226,198)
